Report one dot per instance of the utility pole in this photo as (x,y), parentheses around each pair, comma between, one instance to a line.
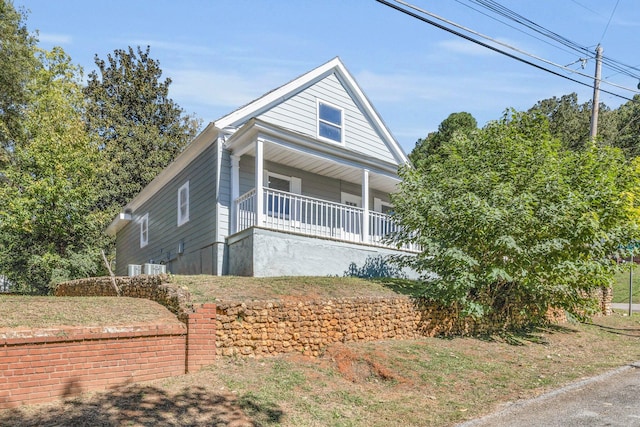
(593,131)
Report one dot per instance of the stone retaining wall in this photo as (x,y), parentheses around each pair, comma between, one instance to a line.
(308,327)
(154,288)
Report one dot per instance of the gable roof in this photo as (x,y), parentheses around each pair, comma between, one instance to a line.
(288,90)
(243,114)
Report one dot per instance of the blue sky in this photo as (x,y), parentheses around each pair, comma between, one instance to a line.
(222,54)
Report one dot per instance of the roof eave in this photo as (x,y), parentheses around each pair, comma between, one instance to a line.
(203,140)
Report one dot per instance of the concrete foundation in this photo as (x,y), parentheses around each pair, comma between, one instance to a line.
(267,253)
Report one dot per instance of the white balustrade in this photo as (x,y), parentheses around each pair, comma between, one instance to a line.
(314,217)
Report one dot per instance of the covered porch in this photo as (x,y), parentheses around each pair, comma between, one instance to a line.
(356,211)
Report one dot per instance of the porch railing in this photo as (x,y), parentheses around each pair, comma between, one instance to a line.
(314,217)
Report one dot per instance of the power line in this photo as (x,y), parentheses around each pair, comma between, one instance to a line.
(503,11)
(469,30)
(585,7)
(609,21)
(510,26)
(488,46)
(516,17)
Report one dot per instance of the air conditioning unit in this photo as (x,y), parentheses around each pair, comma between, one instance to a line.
(134,270)
(153,269)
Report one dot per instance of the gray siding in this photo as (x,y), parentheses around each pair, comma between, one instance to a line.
(298,113)
(164,234)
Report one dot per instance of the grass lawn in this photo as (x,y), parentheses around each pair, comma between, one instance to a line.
(232,288)
(621,285)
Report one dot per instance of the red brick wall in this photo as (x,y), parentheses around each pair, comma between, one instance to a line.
(201,339)
(43,365)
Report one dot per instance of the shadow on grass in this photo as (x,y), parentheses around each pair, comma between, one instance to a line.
(535,335)
(627,332)
(412,288)
(147,406)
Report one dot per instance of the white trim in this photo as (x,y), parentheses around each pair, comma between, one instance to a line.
(378,204)
(243,141)
(259,180)
(295,183)
(365,205)
(235,192)
(183,218)
(122,219)
(275,96)
(329,123)
(144,230)
(335,66)
(348,199)
(295,187)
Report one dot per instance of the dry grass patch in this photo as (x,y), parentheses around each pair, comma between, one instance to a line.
(233,288)
(45,312)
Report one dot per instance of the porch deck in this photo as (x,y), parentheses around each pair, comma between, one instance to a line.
(283,211)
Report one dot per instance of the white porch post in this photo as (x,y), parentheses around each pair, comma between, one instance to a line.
(259,172)
(235,191)
(365,205)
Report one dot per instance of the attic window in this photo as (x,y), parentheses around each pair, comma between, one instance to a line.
(330,122)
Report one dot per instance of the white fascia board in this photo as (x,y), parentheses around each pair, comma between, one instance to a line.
(353,87)
(192,151)
(203,140)
(122,219)
(251,110)
(278,95)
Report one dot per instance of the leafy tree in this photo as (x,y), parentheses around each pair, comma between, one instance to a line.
(512,223)
(139,128)
(17,61)
(462,122)
(628,132)
(570,121)
(48,230)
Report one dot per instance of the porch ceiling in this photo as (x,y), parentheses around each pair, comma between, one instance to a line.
(328,167)
(304,152)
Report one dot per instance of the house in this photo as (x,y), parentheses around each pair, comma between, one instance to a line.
(296,182)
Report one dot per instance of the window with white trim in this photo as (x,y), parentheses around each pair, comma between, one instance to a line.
(330,122)
(279,204)
(183,204)
(386,208)
(382,206)
(350,199)
(144,230)
(351,219)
